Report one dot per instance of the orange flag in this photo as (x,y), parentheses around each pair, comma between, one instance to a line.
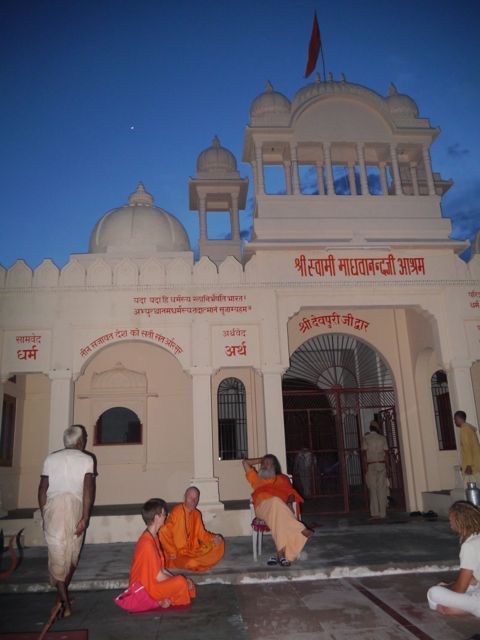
(313,47)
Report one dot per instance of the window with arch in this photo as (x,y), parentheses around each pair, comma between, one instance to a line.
(443,411)
(118,425)
(232,420)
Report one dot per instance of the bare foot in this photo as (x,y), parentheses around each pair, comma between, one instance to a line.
(449,611)
(308,533)
(165,603)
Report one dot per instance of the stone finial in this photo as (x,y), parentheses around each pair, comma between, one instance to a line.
(317,77)
(140,196)
(268,87)
(330,76)
(392,90)
(216,142)
(342,77)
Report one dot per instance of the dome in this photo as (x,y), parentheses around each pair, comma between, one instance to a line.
(216,162)
(138,228)
(401,105)
(270,107)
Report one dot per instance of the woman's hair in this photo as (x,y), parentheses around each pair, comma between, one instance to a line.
(466,517)
(276,464)
(151,508)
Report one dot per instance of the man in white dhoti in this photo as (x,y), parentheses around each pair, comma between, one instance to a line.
(65,496)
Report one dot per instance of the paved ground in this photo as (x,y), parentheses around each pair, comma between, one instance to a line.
(358,581)
(296,610)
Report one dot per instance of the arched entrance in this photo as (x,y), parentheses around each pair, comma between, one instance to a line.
(334,387)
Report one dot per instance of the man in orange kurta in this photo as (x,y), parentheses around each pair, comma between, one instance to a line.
(148,565)
(184,539)
(272,494)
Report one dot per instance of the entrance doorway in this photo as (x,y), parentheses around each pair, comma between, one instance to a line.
(335,386)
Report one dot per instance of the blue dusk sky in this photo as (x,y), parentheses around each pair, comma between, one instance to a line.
(100,94)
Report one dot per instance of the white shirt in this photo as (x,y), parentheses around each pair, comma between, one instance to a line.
(470,555)
(66,471)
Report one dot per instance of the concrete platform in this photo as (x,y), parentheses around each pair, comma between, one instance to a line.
(342,547)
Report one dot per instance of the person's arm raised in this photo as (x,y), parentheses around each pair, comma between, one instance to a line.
(249,462)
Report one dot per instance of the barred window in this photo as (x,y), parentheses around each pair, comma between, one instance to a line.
(232,420)
(443,411)
(118,425)
(7,432)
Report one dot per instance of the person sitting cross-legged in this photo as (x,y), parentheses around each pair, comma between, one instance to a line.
(184,539)
(273,495)
(148,565)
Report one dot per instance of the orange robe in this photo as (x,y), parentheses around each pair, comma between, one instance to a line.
(186,542)
(279,487)
(148,561)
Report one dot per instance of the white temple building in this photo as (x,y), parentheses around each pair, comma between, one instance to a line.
(348,303)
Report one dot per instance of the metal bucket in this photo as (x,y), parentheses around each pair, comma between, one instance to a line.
(473,493)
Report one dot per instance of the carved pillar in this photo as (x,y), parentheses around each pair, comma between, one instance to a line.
(234,220)
(428,169)
(320,182)
(383,177)
(413,174)
(363,170)
(61,406)
(396,171)
(202,436)
(202,216)
(274,422)
(351,179)
(259,171)
(295,180)
(287,167)
(328,168)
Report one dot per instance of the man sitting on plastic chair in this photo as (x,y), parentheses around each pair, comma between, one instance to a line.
(272,495)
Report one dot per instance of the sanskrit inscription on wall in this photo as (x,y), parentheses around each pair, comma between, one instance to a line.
(365,267)
(165,306)
(26,351)
(235,345)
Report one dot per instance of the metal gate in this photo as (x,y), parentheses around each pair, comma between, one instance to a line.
(324,427)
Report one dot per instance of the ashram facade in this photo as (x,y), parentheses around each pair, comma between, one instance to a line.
(348,303)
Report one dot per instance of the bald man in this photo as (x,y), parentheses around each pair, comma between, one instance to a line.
(185,541)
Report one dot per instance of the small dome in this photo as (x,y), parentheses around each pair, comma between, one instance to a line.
(270,107)
(216,162)
(138,228)
(400,104)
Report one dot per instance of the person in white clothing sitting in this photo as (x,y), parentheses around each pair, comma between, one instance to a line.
(463,595)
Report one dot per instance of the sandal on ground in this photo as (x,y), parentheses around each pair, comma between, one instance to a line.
(283,562)
(272,561)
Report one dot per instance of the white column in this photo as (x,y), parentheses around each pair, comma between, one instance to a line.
(351,179)
(255,177)
(363,170)
(202,217)
(328,168)
(295,180)
(320,182)
(2,391)
(287,167)
(61,406)
(274,422)
(428,170)
(383,178)
(234,221)
(461,390)
(259,172)
(396,172)
(203,436)
(413,173)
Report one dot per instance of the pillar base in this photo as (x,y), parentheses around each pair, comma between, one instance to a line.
(209,494)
